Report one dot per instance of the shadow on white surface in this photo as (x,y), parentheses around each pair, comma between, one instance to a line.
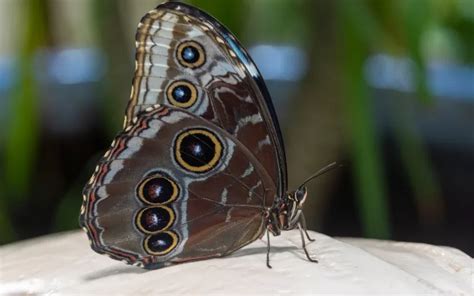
(65,264)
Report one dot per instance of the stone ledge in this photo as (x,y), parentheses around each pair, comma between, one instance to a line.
(65,264)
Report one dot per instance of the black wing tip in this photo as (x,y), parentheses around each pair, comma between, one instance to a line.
(180,6)
(192,11)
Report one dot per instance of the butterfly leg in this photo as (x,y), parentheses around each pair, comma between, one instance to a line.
(303,224)
(304,245)
(268,249)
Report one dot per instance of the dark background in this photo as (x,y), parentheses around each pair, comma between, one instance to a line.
(384,87)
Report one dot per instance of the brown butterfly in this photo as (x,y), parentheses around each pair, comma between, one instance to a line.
(199,170)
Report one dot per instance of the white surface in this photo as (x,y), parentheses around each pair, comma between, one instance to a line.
(65,264)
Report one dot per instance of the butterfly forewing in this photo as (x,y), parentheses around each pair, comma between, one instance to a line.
(186,59)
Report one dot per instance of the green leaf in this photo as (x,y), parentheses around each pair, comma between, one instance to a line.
(368,164)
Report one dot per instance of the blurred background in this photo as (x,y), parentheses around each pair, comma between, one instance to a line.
(384,87)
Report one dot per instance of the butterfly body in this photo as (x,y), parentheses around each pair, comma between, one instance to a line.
(199,169)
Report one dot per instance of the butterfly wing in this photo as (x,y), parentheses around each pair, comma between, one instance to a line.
(187,59)
(175,187)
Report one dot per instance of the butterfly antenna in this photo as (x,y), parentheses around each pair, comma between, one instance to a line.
(322,171)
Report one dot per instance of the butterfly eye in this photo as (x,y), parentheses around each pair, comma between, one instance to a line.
(197,150)
(300,195)
(155,219)
(161,243)
(182,94)
(157,189)
(191,54)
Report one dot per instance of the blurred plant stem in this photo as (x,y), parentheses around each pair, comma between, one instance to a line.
(7,233)
(361,32)
(368,163)
(23,126)
(113,40)
(314,134)
(416,17)
(418,167)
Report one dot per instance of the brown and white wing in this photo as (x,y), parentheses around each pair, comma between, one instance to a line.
(175,187)
(187,59)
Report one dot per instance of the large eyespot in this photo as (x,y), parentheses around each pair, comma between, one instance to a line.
(157,189)
(191,54)
(161,243)
(197,150)
(154,219)
(182,94)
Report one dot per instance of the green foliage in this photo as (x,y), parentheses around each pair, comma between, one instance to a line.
(360,120)
(22,137)
(233,12)
(112,39)
(400,27)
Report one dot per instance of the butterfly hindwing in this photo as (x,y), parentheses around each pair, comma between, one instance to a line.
(175,187)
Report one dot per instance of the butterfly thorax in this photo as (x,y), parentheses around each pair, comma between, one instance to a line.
(286,211)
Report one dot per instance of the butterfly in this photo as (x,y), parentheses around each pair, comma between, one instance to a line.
(199,169)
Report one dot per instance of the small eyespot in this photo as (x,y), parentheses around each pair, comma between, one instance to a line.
(154,219)
(191,54)
(157,190)
(197,150)
(161,243)
(182,94)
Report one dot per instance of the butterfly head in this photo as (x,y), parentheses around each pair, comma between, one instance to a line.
(286,211)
